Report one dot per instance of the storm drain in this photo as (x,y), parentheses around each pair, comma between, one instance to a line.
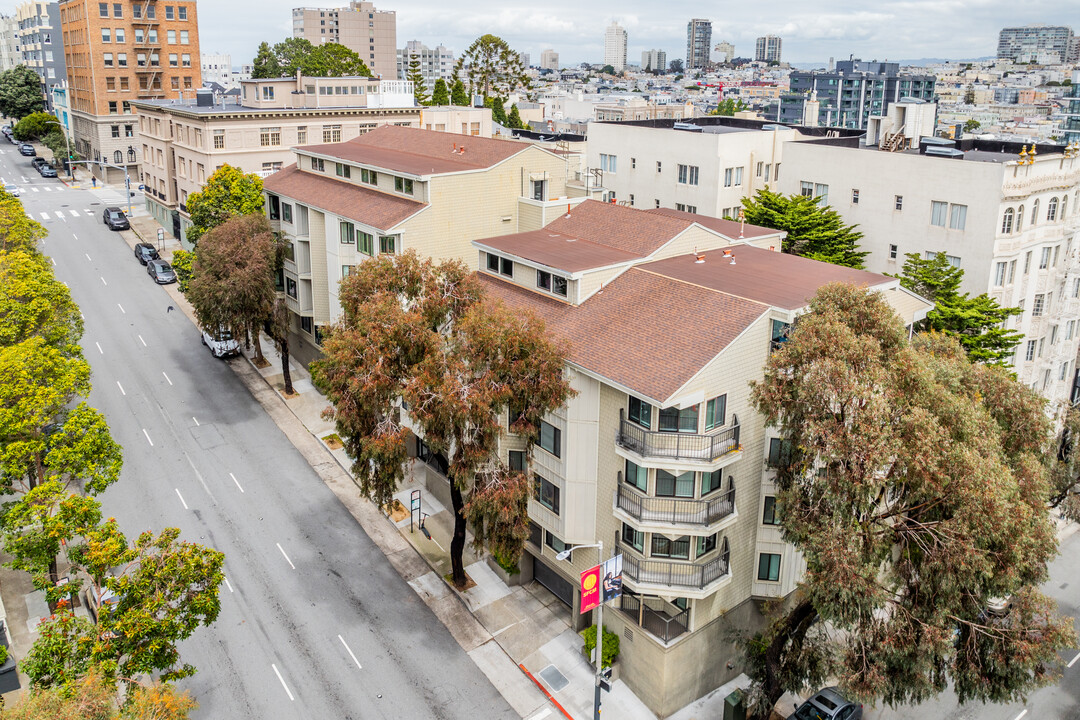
(555,679)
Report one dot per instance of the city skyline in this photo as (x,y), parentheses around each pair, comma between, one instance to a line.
(577,33)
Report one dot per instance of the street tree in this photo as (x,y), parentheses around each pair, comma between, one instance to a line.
(229,192)
(20,92)
(182,262)
(33,303)
(916,495)
(416,77)
(279,331)
(513,120)
(17,230)
(34,126)
(1065,468)
(294,54)
(92,698)
(490,67)
(440,96)
(232,281)
(813,230)
(978,323)
(423,336)
(458,95)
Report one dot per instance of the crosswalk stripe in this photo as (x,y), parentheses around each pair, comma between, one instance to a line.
(88,211)
(74,213)
(44,216)
(35,189)
(59,214)
(47,189)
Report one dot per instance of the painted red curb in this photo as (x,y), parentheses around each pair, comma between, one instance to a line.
(544,690)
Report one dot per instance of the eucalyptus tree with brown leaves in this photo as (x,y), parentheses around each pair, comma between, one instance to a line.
(916,490)
(232,283)
(422,338)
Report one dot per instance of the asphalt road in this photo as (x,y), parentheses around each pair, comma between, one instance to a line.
(315,622)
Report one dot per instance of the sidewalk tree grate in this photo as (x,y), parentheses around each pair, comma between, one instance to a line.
(555,679)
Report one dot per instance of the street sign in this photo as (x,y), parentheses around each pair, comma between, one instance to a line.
(161,234)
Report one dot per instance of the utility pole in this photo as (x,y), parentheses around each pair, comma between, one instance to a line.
(599,624)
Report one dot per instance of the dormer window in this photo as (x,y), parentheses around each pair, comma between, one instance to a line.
(403,185)
(501,265)
(554,284)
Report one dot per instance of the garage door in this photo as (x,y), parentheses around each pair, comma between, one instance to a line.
(553,581)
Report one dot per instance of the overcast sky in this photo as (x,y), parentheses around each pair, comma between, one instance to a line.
(811,32)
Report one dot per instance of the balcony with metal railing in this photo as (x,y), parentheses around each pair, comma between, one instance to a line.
(652,448)
(652,614)
(673,577)
(664,514)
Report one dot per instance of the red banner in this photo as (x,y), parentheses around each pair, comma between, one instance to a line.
(590,589)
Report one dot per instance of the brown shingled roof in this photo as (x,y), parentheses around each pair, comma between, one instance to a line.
(558,250)
(645,332)
(370,207)
(727,228)
(777,279)
(619,226)
(420,152)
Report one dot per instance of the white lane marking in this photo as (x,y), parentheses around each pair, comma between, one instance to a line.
(1022,714)
(99,348)
(198,475)
(286,556)
(227,583)
(147,435)
(33,188)
(121,308)
(47,188)
(181,498)
(88,211)
(196,420)
(238,484)
(1073,661)
(59,214)
(282,682)
(44,216)
(121,388)
(73,213)
(88,257)
(103,281)
(348,650)
(166,377)
(53,261)
(142,341)
(74,236)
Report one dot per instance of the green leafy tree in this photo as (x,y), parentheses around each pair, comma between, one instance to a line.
(334,60)
(416,77)
(265,64)
(228,193)
(915,489)
(183,262)
(608,70)
(676,66)
(232,281)
(813,230)
(424,334)
(34,126)
(60,146)
(33,303)
(20,92)
(62,653)
(729,107)
(976,322)
(971,125)
(458,95)
(498,111)
(513,120)
(1065,468)
(491,68)
(969,95)
(17,230)
(440,96)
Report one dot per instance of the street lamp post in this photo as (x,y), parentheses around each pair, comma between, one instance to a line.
(599,624)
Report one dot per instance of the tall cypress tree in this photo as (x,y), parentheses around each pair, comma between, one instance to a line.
(458,96)
(440,95)
(416,77)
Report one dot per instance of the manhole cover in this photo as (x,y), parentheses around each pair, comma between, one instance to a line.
(555,679)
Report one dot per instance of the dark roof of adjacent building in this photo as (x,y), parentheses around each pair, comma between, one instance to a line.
(370,207)
(619,226)
(420,152)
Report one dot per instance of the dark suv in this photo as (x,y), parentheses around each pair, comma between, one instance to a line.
(145,252)
(37,162)
(116,220)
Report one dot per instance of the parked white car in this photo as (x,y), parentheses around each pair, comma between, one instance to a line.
(221,343)
(12,189)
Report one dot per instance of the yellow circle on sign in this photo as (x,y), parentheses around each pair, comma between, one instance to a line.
(590,582)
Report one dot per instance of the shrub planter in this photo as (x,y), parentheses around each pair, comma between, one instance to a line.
(522,577)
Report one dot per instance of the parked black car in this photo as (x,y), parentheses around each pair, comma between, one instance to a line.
(27,149)
(37,162)
(46,170)
(145,252)
(161,271)
(115,218)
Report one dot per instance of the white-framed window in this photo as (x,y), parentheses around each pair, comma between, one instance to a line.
(608,163)
(1052,209)
(1012,271)
(806,189)
(1064,371)
(999,274)
(1053,334)
(1070,327)
(729,174)
(957,217)
(854,196)
(954,260)
(1076,287)
(269,136)
(938,211)
(219,139)
(1038,305)
(1035,214)
(1007,221)
(1029,353)
(898,202)
(1044,258)
(892,252)
(688,174)
(738,176)
(268,92)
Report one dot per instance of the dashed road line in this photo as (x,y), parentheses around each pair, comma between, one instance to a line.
(99,348)
(282,682)
(166,377)
(141,340)
(349,650)
(122,390)
(181,498)
(1073,661)
(286,556)
(148,437)
(238,485)
(226,579)
(103,282)
(121,308)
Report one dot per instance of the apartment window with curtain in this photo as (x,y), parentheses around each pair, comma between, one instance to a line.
(301,134)
(387,244)
(957,217)
(768,567)
(688,174)
(608,162)
(348,233)
(714,412)
(676,420)
(678,549)
(546,493)
(938,211)
(269,136)
(671,485)
(550,438)
(1044,258)
(640,412)
(769,516)
(999,274)
(634,538)
(365,243)
(343,171)
(637,476)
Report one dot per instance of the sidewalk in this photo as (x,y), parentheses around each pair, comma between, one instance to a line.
(520,636)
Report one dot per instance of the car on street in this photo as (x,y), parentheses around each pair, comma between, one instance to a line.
(161,271)
(115,218)
(828,704)
(47,170)
(37,162)
(221,343)
(12,189)
(145,252)
(27,149)
(13,141)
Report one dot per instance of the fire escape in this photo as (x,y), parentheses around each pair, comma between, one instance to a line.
(147,50)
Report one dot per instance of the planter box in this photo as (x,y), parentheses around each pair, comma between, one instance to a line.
(614,666)
(523,577)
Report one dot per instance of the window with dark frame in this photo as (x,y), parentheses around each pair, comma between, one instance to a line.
(683,420)
(769,516)
(543,280)
(546,493)
(715,410)
(640,412)
(663,547)
(493,262)
(517,460)
(633,537)
(706,544)
(671,485)
(711,481)
(637,476)
(555,543)
(768,567)
(506,267)
(550,438)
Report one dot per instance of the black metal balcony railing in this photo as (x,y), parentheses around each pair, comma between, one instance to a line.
(656,620)
(672,573)
(702,512)
(675,445)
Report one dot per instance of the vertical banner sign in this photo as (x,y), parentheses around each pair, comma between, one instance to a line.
(611,578)
(590,589)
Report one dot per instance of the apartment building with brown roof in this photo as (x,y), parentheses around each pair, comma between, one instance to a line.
(118,52)
(661,455)
(400,187)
